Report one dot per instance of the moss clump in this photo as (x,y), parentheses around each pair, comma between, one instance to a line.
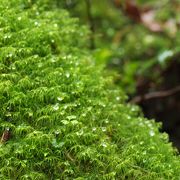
(66,120)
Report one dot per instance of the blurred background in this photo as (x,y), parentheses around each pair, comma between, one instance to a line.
(140,41)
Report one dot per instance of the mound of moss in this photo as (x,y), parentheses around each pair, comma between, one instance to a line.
(66,120)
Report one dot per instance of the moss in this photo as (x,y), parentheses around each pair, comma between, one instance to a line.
(66,120)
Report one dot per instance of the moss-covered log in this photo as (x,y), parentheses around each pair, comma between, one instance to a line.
(60,118)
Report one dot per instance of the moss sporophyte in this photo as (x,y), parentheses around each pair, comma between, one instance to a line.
(68,119)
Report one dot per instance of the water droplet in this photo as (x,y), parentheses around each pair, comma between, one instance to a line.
(133,109)
(36,23)
(84,115)
(45,154)
(62,113)
(106,121)
(7,37)
(117,98)
(67,75)
(19,18)
(30,114)
(69,56)
(89,108)
(40,65)
(128,117)
(151,133)
(51,33)
(60,98)
(76,64)
(53,60)
(56,132)
(10,55)
(56,107)
(55,25)
(104,144)
(37,13)
(103,129)
(141,143)
(13,67)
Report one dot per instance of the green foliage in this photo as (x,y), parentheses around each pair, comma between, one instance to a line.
(124,43)
(66,120)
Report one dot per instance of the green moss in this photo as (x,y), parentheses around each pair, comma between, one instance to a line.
(68,121)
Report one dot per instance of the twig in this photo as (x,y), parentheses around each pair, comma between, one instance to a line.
(69,157)
(91,23)
(155,95)
(6,136)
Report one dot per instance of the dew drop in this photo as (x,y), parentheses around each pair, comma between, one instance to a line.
(141,143)
(128,117)
(10,55)
(84,115)
(103,129)
(151,133)
(57,132)
(53,60)
(19,18)
(89,108)
(37,13)
(36,23)
(67,75)
(62,113)
(55,25)
(60,98)
(104,144)
(106,121)
(56,107)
